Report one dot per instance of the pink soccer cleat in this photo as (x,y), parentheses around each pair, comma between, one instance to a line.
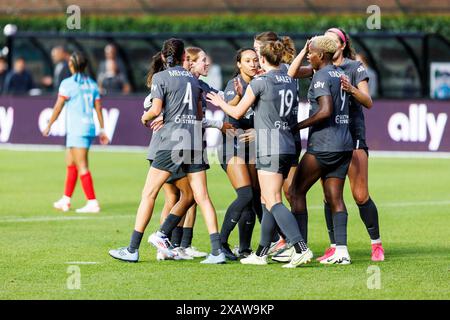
(328,253)
(377,252)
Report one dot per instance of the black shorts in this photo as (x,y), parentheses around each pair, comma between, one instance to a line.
(333,164)
(173,161)
(360,144)
(174,176)
(225,156)
(279,163)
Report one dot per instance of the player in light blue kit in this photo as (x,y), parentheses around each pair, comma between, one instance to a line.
(80,95)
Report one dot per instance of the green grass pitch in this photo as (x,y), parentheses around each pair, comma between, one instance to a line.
(40,246)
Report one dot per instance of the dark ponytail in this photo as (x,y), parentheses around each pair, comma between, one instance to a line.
(156,65)
(79,62)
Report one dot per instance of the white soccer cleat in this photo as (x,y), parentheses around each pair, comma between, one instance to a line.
(211,259)
(276,247)
(181,254)
(161,243)
(255,260)
(284,255)
(91,206)
(62,204)
(299,258)
(161,256)
(194,253)
(124,255)
(341,258)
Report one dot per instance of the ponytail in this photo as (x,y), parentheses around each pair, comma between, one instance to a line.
(156,66)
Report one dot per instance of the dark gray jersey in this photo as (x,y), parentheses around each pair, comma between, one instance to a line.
(180,92)
(332,134)
(294,112)
(276,95)
(357,73)
(205,89)
(245,122)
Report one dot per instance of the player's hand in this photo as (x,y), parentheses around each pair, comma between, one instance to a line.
(249,135)
(144,119)
(157,123)
(345,84)
(226,127)
(238,88)
(305,49)
(214,98)
(103,138)
(46,131)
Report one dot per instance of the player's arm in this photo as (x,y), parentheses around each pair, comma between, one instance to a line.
(59,105)
(238,111)
(360,92)
(153,112)
(324,112)
(296,70)
(102,135)
(238,88)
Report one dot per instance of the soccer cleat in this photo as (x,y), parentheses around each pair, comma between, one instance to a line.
(284,255)
(277,246)
(299,258)
(337,258)
(244,254)
(328,253)
(124,255)
(255,260)
(90,207)
(181,254)
(162,243)
(211,259)
(227,252)
(377,252)
(161,256)
(194,253)
(62,204)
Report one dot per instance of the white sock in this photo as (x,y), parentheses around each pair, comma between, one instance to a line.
(376,241)
(66,198)
(342,250)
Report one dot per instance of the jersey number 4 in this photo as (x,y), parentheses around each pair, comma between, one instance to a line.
(287,99)
(188,96)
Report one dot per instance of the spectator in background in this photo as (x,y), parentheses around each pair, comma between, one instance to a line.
(18,80)
(214,78)
(111,54)
(60,58)
(3,72)
(111,81)
(373,77)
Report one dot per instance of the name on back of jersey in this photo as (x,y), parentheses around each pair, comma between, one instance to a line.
(283,79)
(180,73)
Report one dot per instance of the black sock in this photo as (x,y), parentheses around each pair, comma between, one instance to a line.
(215,243)
(170,223)
(300,247)
(246,225)
(268,227)
(186,240)
(369,215)
(135,241)
(234,212)
(329,221)
(177,233)
(302,222)
(262,251)
(256,202)
(286,222)
(340,228)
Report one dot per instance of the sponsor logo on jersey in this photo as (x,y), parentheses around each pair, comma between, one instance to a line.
(319,84)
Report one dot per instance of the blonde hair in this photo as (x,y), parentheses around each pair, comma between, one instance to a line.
(289,52)
(192,53)
(273,52)
(325,44)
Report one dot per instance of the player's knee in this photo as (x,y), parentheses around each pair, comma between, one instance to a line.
(149,193)
(201,197)
(360,196)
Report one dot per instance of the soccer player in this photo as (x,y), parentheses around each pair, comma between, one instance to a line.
(236,161)
(357,87)
(272,95)
(329,147)
(279,243)
(80,95)
(175,91)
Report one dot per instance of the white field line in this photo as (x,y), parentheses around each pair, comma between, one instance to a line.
(12,219)
(143,150)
